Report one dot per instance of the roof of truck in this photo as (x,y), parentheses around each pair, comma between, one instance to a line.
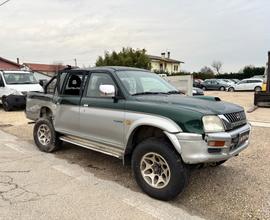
(111,68)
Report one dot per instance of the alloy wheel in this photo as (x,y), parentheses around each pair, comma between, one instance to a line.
(155,170)
(44,134)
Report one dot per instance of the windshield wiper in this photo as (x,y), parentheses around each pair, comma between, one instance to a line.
(149,93)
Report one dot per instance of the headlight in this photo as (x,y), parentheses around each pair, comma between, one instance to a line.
(212,123)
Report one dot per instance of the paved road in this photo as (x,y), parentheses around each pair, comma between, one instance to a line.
(35,185)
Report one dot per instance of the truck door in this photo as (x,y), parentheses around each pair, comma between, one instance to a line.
(67,112)
(101,117)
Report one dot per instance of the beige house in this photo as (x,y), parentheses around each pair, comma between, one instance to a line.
(164,63)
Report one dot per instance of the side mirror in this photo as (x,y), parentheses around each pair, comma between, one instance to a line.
(107,90)
(43,82)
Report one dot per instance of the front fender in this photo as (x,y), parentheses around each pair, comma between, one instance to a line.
(136,120)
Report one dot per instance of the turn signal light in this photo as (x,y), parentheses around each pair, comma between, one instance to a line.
(216,143)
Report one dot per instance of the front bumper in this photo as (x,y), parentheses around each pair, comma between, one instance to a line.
(16,100)
(194,148)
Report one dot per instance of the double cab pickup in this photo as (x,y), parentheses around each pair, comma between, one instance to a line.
(138,117)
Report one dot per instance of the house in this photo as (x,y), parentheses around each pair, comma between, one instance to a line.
(47,69)
(9,65)
(164,64)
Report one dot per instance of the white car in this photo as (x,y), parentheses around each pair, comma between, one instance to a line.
(247,85)
(14,86)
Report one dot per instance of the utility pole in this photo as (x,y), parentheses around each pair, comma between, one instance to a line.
(75,60)
(4,2)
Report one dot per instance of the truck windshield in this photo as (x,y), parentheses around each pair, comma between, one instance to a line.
(143,83)
(20,78)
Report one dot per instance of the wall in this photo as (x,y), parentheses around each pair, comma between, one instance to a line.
(183,83)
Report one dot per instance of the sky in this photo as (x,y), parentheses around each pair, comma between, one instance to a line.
(235,32)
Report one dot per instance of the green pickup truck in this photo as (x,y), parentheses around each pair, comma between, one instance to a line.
(138,117)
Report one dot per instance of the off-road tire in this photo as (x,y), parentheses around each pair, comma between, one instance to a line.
(6,105)
(54,141)
(178,170)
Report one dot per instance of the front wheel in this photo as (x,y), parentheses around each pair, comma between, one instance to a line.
(46,138)
(158,169)
(204,88)
(6,105)
(231,89)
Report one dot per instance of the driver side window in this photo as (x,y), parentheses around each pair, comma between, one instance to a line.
(95,81)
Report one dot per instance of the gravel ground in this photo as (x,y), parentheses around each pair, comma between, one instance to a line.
(239,189)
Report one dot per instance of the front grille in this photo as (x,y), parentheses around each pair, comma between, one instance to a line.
(236,116)
(234,120)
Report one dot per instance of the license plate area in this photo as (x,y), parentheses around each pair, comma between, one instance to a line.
(243,137)
(239,140)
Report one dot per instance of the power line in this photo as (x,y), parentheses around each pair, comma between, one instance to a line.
(4,2)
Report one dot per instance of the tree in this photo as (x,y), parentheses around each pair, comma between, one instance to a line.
(217,66)
(126,57)
(206,69)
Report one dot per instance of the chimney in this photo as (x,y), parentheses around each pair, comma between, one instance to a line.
(169,54)
(18,60)
(163,55)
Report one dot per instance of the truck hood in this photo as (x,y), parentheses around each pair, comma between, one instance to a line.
(26,87)
(205,105)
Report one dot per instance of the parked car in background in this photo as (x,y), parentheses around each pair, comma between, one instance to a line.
(251,84)
(14,86)
(197,83)
(235,80)
(197,91)
(228,81)
(214,84)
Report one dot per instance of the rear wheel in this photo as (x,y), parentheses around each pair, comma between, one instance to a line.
(158,169)
(222,88)
(258,89)
(6,105)
(46,138)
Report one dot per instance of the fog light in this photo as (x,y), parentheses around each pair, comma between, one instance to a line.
(216,143)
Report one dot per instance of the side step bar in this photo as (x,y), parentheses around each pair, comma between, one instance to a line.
(99,147)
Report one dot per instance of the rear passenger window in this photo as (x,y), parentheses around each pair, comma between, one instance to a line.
(73,84)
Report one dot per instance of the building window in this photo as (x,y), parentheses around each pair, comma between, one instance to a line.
(175,68)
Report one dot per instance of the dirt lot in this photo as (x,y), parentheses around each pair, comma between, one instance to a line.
(239,189)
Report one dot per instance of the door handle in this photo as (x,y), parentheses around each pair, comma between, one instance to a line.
(85,105)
